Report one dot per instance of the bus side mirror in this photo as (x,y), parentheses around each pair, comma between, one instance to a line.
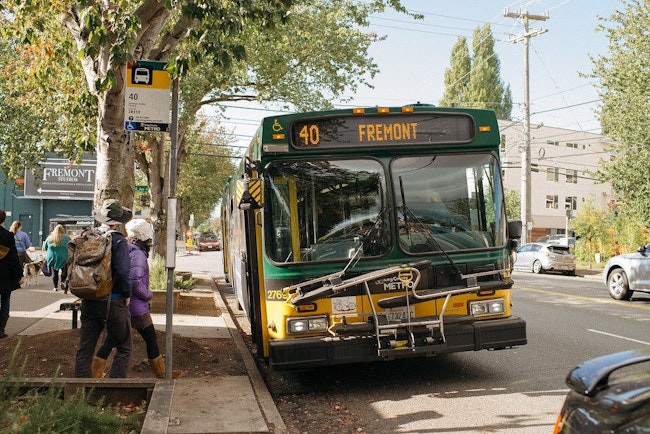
(250,194)
(514,229)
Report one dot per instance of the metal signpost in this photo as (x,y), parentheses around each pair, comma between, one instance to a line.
(148,107)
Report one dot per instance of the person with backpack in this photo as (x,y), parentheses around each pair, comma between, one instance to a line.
(140,237)
(110,313)
(11,273)
(56,252)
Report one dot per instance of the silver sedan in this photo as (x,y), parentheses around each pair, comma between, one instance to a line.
(629,272)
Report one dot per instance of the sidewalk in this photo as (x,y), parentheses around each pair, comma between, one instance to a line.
(224,404)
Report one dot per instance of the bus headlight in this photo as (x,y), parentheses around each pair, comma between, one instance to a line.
(312,324)
(487,307)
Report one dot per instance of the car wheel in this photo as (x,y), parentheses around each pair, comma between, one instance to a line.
(618,286)
(537,267)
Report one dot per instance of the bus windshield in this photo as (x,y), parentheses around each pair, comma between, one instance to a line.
(321,210)
(326,210)
(446,202)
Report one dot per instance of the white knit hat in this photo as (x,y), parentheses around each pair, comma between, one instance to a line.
(139,229)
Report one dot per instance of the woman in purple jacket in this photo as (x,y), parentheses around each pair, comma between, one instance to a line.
(140,235)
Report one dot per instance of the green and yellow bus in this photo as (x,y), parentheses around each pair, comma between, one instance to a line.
(369,234)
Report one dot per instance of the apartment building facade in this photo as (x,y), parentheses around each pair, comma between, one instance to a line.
(562,163)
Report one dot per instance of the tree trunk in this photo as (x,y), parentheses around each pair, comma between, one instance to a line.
(156,172)
(115,176)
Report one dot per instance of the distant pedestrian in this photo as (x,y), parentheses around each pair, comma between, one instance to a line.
(56,252)
(23,244)
(11,273)
(140,236)
(111,313)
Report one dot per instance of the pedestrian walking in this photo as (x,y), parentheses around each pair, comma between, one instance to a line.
(140,237)
(111,313)
(11,273)
(56,252)
(23,244)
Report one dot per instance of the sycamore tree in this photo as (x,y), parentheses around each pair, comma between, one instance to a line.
(68,65)
(622,76)
(476,81)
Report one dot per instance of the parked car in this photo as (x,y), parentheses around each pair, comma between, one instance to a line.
(542,257)
(626,273)
(209,242)
(608,394)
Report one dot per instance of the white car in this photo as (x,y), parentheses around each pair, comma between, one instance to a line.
(629,272)
(542,257)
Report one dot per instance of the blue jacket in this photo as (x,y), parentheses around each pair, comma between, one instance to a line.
(22,241)
(120,266)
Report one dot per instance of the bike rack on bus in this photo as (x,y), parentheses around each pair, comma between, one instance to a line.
(386,333)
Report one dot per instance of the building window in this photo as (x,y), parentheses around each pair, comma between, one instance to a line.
(571,176)
(552,174)
(552,142)
(572,145)
(570,203)
(551,201)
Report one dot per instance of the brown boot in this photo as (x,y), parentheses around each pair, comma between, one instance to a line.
(3,324)
(158,367)
(97,367)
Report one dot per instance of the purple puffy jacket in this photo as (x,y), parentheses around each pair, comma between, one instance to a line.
(139,278)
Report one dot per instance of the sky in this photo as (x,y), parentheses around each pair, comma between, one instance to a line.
(415,54)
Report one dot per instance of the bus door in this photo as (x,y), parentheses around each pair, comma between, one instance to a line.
(250,200)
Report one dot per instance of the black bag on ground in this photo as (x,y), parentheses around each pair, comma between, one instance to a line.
(46,270)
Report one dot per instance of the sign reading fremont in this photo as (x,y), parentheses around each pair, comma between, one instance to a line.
(62,180)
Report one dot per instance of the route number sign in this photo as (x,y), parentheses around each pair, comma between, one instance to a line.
(147,100)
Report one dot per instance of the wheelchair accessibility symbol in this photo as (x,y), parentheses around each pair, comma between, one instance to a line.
(130,126)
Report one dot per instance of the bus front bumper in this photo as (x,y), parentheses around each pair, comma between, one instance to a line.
(301,353)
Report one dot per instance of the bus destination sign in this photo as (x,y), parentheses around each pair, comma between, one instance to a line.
(382,130)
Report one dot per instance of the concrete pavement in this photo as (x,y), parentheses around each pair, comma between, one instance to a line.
(186,405)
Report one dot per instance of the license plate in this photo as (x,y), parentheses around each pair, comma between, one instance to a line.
(398,314)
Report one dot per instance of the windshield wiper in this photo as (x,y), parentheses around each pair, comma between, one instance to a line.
(428,233)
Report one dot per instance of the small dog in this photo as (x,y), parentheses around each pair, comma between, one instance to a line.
(31,271)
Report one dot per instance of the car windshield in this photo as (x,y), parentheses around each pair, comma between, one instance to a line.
(559,250)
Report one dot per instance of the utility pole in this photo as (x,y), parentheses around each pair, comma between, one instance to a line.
(526,217)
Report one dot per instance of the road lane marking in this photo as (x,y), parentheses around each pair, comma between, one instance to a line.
(619,337)
(585,298)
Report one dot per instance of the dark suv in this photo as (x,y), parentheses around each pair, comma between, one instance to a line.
(609,394)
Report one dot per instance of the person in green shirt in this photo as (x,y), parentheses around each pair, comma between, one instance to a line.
(56,248)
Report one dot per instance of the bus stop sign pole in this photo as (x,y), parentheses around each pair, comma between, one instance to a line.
(170,258)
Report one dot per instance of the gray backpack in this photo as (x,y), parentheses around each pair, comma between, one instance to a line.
(87,272)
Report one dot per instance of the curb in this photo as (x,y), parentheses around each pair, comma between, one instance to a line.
(264,398)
